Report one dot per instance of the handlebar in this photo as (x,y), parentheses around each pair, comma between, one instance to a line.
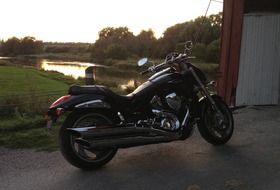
(165,64)
(144,72)
(153,68)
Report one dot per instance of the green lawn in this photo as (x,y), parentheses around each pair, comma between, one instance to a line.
(25,95)
(20,81)
(28,132)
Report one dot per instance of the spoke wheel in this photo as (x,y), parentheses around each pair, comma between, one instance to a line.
(76,154)
(88,120)
(216,126)
(217,123)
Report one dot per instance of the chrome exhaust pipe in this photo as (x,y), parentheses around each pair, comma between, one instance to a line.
(123,142)
(116,132)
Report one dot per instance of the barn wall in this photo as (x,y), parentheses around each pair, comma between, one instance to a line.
(259,68)
(230,49)
(279,78)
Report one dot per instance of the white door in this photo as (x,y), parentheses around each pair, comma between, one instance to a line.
(259,68)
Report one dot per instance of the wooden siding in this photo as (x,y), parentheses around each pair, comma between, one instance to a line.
(230,49)
(259,68)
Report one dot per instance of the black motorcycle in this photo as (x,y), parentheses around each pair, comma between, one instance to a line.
(163,109)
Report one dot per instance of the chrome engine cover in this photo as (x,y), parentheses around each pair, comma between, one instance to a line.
(166,117)
(168,121)
(173,101)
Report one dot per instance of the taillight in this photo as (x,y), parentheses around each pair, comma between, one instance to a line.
(60,100)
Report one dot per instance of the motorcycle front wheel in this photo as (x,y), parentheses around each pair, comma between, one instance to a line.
(74,153)
(216,127)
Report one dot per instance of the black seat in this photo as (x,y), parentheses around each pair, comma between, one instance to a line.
(100,90)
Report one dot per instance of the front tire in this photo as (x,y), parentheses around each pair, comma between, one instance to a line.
(216,128)
(74,153)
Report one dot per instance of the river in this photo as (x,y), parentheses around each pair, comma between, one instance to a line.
(74,69)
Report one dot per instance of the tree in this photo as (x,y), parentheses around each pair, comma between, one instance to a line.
(107,36)
(29,45)
(199,51)
(11,47)
(202,31)
(14,46)
(146,42)
(212,52)
(116,51)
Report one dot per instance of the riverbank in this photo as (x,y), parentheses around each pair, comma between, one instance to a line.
(75,56)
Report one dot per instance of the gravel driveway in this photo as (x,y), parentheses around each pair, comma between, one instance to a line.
(249,161)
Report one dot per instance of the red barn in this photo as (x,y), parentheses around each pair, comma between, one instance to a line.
(249,71)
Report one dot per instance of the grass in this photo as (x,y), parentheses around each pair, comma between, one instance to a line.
(28,132)
(27,90)
(19,123)
(25,94)
(20,81)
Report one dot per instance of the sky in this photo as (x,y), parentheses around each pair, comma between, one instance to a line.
(81,20)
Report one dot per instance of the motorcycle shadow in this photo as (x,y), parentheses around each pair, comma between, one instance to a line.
(166,167)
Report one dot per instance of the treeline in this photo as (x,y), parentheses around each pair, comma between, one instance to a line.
(15,46)
(29,45)
(120,43)
(69,47)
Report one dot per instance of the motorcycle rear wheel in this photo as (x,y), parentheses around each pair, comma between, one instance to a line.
(74,153)
(215,128)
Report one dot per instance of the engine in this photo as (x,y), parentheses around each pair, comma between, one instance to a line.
(173,101)
(165,110)
(170,102)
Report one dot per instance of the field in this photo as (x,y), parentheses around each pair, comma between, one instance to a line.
(20,81)
(25,94)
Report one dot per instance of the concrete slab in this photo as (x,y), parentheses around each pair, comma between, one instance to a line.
(249,161)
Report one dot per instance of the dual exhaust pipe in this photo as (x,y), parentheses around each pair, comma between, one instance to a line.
(120,137)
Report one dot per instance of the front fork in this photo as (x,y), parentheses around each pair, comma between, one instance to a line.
(205,92)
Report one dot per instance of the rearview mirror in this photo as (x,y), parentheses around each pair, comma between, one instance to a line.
(142,61)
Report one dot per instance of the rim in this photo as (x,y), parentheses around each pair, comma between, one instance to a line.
(85,154)
(219,125)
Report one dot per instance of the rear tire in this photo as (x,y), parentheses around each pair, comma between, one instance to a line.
(216,129)
(76,154)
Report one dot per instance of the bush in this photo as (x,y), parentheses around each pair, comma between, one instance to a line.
(116,51)
(212,51)
(199,51)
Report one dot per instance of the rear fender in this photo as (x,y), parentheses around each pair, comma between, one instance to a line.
(84,101)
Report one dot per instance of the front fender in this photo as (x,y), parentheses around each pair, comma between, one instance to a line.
(203,100)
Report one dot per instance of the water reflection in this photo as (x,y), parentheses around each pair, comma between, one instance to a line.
(73,69)
(3,58)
